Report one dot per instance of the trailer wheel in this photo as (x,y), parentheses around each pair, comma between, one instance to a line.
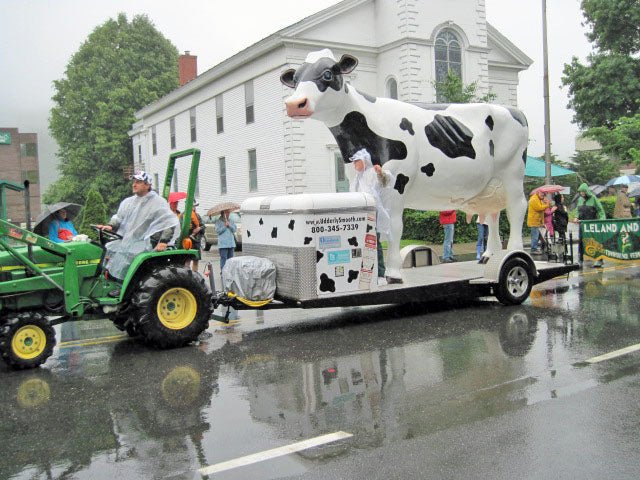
(26,340)
(173,307)
(515,282)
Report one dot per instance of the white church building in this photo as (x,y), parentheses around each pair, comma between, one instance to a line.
(234,112)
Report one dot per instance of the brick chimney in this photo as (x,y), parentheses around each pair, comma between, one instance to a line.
(187,67)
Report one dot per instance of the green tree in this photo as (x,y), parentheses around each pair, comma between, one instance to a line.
(452,90)
(622,141)
(608,86)
(593,167)
(93,213)
(120,68)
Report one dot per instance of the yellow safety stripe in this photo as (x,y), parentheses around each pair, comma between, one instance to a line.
(48,265)
(249,303)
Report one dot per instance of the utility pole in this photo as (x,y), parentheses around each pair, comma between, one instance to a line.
(545,86)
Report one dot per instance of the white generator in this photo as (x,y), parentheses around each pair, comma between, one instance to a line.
(322,244)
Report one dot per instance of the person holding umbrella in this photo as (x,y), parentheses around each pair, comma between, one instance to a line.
(623,204)
(538,203)
(225,228)
(61,229)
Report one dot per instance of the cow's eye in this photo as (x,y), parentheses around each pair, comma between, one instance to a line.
(327,75)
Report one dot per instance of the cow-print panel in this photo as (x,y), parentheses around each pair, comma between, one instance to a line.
(428,169)
(489,122)
(405,124)
(292,224)
(491,147)
(261,222)
(274,232)
(450,136)
(401,182)
(327,284)
(524,156)
(307,240)
(248,233)
(319,255)
(518,116)
(314,72)
(354,134)
(353,275)
(353,241)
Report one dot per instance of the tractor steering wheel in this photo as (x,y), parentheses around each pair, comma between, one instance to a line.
(105,236)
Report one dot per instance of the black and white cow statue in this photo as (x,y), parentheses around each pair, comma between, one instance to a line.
(469,157)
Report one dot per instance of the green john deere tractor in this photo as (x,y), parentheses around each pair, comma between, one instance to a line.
(43,284)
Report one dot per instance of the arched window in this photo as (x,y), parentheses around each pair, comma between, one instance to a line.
(448,55)
(392,88)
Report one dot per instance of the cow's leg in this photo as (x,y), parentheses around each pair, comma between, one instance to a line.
(516,210)
(393,262)
(493,240)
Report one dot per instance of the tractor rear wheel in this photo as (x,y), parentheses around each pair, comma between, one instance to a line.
(173,307)
(26,340)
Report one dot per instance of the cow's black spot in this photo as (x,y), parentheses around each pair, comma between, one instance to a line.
(291,224)
(354,134)
(428,169)
(324,73)
(327,284)
(450,136)
(491,147)
(319,255)
(261,222)
(369,228)
(524,156)
(248,233)
(518,116)
(489,122)
(405,124)
(274,232)
(307,240)
(353,241)
(353,275)
(401,182)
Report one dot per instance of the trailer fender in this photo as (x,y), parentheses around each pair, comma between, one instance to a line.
(494,266)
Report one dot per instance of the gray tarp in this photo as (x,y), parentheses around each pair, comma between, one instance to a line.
(253,278)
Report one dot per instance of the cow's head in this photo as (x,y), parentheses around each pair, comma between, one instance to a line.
(317,83)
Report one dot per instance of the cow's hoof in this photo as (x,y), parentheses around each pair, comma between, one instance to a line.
(391,280)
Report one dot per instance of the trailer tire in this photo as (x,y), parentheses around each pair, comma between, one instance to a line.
(26,340)
(515,282)
(173,307)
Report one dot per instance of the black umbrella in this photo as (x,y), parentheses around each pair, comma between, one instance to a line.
(41,224)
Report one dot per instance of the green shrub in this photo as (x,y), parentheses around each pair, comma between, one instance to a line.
(419,225)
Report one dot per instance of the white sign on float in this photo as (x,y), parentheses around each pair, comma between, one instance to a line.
(321,244)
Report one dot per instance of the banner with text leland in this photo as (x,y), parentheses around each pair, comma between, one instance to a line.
(617,239)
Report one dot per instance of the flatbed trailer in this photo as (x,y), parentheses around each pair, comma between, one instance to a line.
(509,276)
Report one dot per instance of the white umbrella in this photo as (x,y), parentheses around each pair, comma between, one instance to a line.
(623,180)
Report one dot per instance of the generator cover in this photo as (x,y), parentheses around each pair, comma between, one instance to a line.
(253,278)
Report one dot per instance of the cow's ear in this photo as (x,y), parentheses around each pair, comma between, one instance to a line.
(287,78)
(347,63)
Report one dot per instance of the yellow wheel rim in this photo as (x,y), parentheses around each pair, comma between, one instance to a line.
(33,393)
(177,308)
(29,342)
(181,386)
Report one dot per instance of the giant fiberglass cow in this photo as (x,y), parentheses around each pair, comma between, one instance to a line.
(469,157)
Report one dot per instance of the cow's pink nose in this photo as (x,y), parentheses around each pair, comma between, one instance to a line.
(298,107)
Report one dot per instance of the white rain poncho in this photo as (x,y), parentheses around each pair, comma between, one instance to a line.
(368,181)
(138,218)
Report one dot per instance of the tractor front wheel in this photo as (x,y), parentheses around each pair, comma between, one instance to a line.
(26,340)
(173,307)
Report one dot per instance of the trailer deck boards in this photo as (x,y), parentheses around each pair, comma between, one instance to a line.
(424,284)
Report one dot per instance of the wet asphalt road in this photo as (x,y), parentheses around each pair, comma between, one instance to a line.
(474,390)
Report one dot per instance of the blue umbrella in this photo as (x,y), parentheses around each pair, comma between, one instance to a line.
(623,180)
